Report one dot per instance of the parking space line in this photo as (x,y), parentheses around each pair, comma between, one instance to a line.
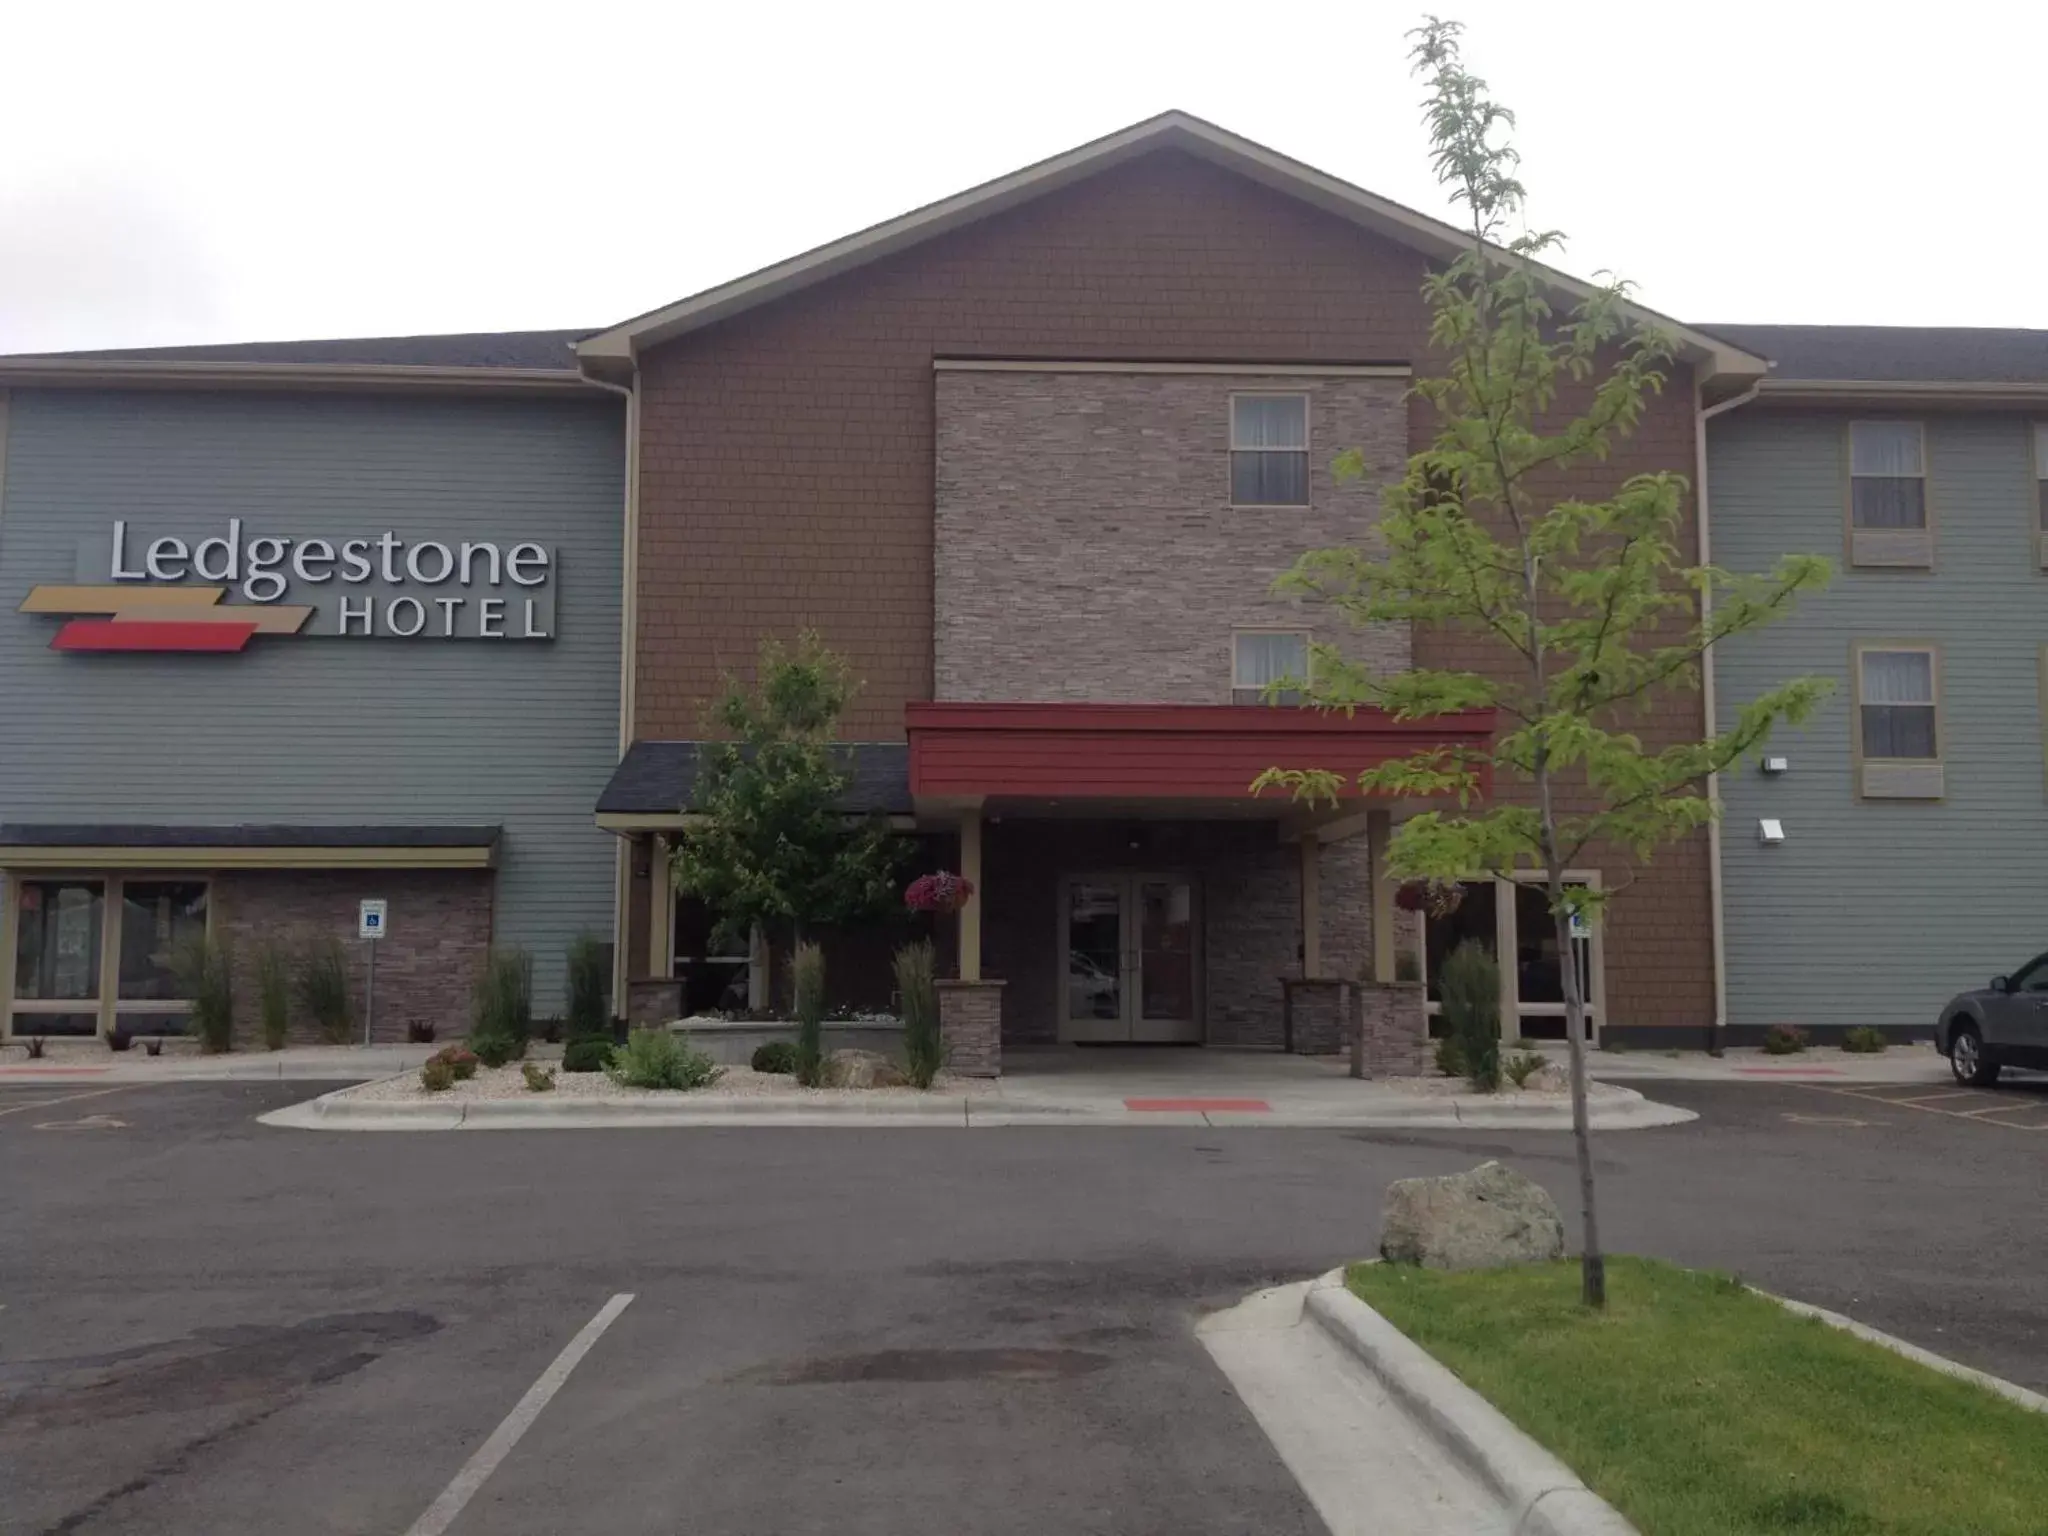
(442,1512)
(68,1098)
(1926,1105)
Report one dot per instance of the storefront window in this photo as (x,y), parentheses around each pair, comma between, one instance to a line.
(57,945)
(157,918)
(1473,919)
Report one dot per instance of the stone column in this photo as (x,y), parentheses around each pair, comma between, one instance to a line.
(971,1027)
(1391,1031)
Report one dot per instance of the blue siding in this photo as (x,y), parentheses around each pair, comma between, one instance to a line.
(1876,912)
(319,730)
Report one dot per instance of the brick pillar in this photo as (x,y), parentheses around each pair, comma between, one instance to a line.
(1392,1031)
(1316,1014)
(971,1026)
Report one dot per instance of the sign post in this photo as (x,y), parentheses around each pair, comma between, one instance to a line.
(371,916)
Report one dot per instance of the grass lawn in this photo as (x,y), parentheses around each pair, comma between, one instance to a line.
(1699,1409)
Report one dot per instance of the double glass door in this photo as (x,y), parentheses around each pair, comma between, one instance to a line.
(1128,964)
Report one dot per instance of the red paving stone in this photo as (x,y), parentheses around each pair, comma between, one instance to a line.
(1197,1106)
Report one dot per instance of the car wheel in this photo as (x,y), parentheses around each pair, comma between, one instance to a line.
(1967,1058)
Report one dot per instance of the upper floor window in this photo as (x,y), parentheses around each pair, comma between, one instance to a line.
(1899,737)
(1888,494)
(2041,489)
(1261,658)
(1269,450)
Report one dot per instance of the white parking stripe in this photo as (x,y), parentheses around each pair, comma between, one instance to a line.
(442,1512)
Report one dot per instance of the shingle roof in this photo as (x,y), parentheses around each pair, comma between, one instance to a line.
(657,778)
(1896,353)
(472,349)
(157,835)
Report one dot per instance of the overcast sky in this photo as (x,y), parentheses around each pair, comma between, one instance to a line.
(207,172)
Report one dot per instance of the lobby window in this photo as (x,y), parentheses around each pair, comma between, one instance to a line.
(57,957)
(158,918)
(1888,495)
(1260,658)
(1898,729)
(1269,450)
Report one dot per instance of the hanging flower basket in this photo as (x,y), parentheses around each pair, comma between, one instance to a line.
(1433,898)
(940,892)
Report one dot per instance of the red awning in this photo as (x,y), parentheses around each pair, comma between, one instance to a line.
(1154,751)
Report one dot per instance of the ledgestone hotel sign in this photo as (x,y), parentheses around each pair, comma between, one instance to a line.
(138,593)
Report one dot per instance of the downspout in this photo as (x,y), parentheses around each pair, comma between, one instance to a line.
(1704,413)
(629,624)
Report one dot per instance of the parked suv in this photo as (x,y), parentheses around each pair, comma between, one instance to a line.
(2003,1025)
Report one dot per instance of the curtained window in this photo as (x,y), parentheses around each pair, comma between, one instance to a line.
(1895,692)
(1262,658)
(1269,450)
(1887,475)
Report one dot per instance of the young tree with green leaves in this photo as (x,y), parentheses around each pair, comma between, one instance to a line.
(773,846)
(1591,604)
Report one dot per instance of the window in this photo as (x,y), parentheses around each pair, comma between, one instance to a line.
(57,957)
(1269,450)
(1898,704)
(1260,658)
(2041,490)
(158,918)
(1898,731)
(1888,495)
(1887,475)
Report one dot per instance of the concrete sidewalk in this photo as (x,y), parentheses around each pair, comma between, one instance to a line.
(295,1064)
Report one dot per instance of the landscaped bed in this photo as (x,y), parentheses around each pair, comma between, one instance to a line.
(508,1082)
(1699,1408)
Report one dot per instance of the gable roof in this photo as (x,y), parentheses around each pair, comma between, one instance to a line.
(466,349)
(612,352)
(1895,354)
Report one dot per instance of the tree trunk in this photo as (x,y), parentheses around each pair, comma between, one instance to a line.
(1593,1263)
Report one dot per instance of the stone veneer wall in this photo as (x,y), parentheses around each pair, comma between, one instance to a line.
(440,934)
(1085,546)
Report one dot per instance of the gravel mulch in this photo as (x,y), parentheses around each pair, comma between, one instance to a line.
(734,1083)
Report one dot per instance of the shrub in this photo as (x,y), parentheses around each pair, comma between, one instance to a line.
(154,1045)
(459,1060)
(501,1002)
(1784,1040)
(274,992)
(539,1079)
(1450,1057)
(777,1056)
(323,988)
(809,966)
(1471,997)
(592,1053)
(35,1047)
(589,979)
(1864,1041)
(419,1032)
(494,1049)
(1521,1066)
(549,1028)
(655,1058)
(204,970)
(924,1049)
(436,1075)
(118,1039)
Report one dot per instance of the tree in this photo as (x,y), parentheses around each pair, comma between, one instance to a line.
(1590,604)
(773,846)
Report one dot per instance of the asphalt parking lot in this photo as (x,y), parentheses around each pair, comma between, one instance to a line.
(210,1326)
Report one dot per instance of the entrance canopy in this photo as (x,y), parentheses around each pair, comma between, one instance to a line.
(1101,756)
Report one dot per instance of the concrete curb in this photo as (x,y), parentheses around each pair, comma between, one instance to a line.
(1543,1496)
(335,1111)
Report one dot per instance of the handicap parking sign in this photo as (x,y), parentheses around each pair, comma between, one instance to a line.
(371,917)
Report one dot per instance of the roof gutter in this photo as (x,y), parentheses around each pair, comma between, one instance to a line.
(1717,918)
(94,373)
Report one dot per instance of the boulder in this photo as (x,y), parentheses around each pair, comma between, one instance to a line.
(1484,1219)
(1550,1078)
(862,1069)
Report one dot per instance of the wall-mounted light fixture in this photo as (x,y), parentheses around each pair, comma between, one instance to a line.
(1777,765)
(1770,831)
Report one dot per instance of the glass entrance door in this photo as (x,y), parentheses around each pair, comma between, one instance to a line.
(1128,959)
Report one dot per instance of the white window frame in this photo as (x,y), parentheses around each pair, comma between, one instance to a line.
(1235,448)
(1239,688)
